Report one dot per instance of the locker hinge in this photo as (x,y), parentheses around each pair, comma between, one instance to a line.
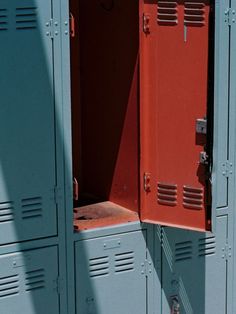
(146,268)
(227,251)
(147,182)
(227,169)
(52,28)
(230,16)
(59,285)
(57,195)
(146,23)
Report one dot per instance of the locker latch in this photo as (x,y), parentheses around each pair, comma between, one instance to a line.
(204,159)
(175,306)
(75,189)
(201,126)
(72,25)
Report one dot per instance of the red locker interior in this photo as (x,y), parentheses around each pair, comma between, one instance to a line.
(132,119)
(105,110)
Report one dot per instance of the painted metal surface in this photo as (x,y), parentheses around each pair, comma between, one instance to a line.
(27,122)
(174,94)
(194,270)
(105,101)
(111,274)
(28,282)
(221,108)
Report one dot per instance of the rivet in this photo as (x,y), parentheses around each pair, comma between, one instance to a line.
(47,24)
(47,33)
(66,32)
(56,23)
(66,23)
(150,271)
(56,33)
(142,272)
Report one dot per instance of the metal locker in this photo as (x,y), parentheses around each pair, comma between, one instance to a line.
(28,282)
(27,121)
(111,274)
(194,270)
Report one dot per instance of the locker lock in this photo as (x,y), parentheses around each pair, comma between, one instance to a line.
(201,126)
(204,158)
(175,306)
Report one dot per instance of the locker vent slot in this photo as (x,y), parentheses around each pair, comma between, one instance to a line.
(6,212)
(9,286)
(194,14)
(26,18)
(207,246)
(183,251)
(99,267)
(124,262)
(167,12)
(3,20)
(35,280)
(193,198)
(32,208)
(167,194)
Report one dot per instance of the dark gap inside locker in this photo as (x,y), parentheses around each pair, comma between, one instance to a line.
(105,111)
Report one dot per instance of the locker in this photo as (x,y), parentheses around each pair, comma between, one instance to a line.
(28,282)
(110,274)
(27,121)
(194,270)
(152,136)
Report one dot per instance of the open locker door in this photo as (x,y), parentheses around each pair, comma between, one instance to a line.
(175,143)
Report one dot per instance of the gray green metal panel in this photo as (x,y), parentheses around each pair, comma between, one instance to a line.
(28,282)
(27,122)
(111,274)
(221,110)
(194,270)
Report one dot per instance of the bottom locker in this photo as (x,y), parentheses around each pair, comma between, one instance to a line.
(194,270)
(110,274)
(28,282)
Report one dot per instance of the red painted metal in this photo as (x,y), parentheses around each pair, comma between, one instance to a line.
(105,101)
(174,79)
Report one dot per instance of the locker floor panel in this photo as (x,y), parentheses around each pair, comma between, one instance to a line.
(102,215)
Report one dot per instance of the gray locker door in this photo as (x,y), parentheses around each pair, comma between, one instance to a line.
(195,270)
(110,277)
(27,121)
(28,282)
(221,159)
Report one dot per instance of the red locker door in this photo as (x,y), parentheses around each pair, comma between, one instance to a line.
(174,39)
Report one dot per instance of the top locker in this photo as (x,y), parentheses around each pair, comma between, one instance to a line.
(147,137)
